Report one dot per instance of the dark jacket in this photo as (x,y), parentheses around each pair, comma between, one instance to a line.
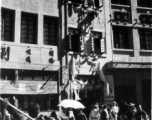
(81,116)
(104,115)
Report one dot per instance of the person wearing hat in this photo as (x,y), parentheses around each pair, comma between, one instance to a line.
(95,115)
(131,111)
(115,110)
(141,114)
(104,113)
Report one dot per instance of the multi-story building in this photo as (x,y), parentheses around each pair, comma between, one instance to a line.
(30,52)
(40,39)
(119,38)
(88,47)
(95,50)
(131,36)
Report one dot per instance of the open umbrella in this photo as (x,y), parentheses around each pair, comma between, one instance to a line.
(68,103)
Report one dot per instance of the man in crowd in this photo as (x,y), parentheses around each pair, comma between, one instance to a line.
(141,114)
(95,113)
(104,113)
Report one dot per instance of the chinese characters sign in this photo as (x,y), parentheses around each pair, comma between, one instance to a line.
(26,87)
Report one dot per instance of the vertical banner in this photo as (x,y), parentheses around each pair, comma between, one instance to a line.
(110,84)
(65,79)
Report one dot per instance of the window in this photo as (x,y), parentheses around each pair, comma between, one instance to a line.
(144,3)
(122,38)
(37,75)
(50,31)
(47,102)
(28,28)
(7,25)
(97,43)
(74,40)
(7,74)
(121,2)
(145,39)
(146,19)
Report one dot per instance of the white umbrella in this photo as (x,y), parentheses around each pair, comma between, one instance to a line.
(68,103)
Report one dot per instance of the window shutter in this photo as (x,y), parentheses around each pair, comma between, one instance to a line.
(92,45)
(149,19)
(69,42)
(81,44)
(102,45)
(2,29)
(98,3)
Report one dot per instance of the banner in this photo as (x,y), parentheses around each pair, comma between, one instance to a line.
(28,87)
(109,95)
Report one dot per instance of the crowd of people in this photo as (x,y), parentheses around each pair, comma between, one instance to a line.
(99,112)
(114,112)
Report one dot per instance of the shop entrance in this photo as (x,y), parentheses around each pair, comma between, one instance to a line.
(146,94)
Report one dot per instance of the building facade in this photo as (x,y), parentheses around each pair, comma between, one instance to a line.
(30,54)
(88,49)
(95,51)
(131,36)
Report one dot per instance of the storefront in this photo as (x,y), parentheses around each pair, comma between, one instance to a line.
(43,92)
(31,74)
(132,80)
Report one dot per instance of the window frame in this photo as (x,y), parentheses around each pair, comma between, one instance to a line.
(144,39)
(96,43)
(11,32)
(50,19)
(78,41)
(144,3)
(124,43)
(35,27)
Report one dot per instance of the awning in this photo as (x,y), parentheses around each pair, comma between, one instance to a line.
(28,87)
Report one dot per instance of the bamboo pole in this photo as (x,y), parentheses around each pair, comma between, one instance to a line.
(17,109)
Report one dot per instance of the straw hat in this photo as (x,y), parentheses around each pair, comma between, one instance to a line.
(131,104)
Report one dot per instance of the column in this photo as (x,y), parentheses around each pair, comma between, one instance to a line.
(17,33)
(136,45)
(40,29)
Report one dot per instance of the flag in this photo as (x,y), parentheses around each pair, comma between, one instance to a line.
(85,94)
(102,77)
(76,94)
(100,72)
(73,68)
(107,88)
